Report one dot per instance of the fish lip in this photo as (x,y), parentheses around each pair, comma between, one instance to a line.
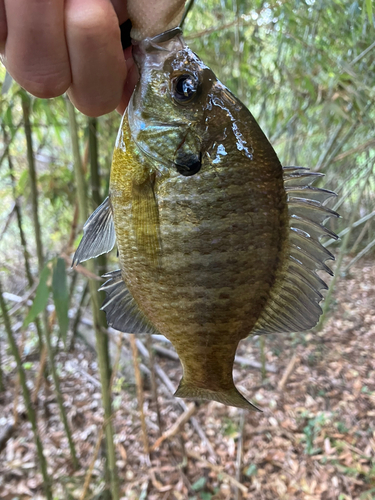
(155,41)
(165,36)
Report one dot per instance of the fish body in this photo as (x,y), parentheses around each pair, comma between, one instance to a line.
(198,205)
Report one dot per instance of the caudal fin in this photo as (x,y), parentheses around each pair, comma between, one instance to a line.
(230,397)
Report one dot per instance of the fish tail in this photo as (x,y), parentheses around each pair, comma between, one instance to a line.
(231,397)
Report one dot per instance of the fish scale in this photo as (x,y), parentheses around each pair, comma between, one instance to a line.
(215,240)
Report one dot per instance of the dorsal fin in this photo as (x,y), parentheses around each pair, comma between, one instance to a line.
(293,304)
(121,309)
(98,234)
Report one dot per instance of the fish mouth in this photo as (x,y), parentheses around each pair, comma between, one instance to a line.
(158,45)
(165,36)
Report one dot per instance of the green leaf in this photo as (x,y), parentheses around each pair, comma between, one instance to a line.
(22,186)
(251,470)
(199,484)
(206,496)
(369,10)
(41,297)
(60,294)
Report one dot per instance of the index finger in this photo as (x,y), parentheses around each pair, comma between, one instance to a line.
(35,50)
(3,27)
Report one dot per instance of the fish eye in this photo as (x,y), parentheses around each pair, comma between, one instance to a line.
(184,88)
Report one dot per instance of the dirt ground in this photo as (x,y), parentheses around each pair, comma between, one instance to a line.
(315,438)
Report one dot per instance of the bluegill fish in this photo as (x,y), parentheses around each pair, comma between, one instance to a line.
(216,240)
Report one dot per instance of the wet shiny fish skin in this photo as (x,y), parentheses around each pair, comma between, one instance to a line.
(215,240)
(200,253)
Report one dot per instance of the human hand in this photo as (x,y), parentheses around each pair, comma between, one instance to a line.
(50,47)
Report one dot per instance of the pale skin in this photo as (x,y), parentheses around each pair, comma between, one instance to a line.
(55,46)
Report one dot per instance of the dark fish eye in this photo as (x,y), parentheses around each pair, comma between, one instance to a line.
(185,88)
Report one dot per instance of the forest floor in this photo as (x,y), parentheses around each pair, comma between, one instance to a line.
(314,440)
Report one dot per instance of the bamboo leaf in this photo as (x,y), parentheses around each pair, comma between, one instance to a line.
(41,297)
(369,10)
(61,296)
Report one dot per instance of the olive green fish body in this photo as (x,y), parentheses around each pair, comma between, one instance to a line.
(198,199)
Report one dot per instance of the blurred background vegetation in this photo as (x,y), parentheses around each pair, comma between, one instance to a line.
(305,69)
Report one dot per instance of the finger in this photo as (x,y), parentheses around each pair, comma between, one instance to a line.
(3,27)
(35,50)
(131,81)
(121,10)
(149,18)
(96,57)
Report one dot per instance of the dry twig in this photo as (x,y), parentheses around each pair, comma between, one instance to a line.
(167,382)
(288,371)
(92,463)
(5,435)
(172,431)
(218,470)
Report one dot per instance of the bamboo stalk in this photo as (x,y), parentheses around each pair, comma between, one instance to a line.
(356,224)
(78,315)
(39,250)
(360,238)
(238,495)
(331,141)
(350,191)
(359,256)
(262,344)
(345,138)
(18,211)
(25,99)
(139,384)
(92,464)
(342,250)
(168,384)
(42,364)
(2,387)
(26,395)
(98,316)
(154,385)
(17,385)
(9,142)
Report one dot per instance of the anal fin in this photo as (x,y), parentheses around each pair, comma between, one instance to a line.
(121,309)
(98,234)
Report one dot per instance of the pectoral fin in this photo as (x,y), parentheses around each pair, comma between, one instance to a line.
(98,234)
(145,221)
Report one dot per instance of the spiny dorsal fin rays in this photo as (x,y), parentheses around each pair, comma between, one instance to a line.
(294,299)
(98,234)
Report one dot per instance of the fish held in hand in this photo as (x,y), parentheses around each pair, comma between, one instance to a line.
(216,240)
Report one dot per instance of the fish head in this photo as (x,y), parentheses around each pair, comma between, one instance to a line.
(169,113)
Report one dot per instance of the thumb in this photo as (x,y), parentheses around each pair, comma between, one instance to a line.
(151,17)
